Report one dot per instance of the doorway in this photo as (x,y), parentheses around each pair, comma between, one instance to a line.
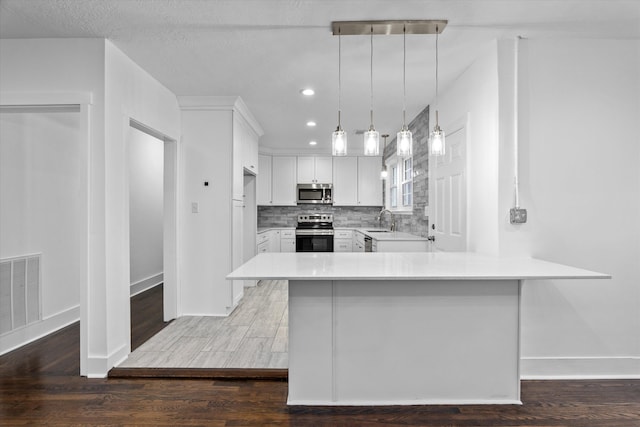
(152,231)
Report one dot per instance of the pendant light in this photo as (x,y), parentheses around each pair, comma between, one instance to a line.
(372,136)
(339,137)
(404,139)
(436,138)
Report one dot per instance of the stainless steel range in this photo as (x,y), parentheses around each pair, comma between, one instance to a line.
(314,233)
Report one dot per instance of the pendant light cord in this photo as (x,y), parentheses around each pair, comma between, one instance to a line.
(437,76)
(371,79)
(339,76)
(404,78)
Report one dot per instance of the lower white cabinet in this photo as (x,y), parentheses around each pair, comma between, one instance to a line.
(274,241)
(288,240)
(358,241)
(263,247)
(343,241)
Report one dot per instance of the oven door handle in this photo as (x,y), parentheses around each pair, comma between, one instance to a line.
(314,232)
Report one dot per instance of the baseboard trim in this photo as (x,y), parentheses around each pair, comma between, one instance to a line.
(99,366)
(146,284)
(201,373)
(576,368)
(34,331)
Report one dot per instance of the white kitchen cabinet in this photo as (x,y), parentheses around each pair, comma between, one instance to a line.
(358,241)
(345,181)
(288,240)
(356,181)
(236,250)
(315,169)
(343,241)
(274,241)
(263,247)
(248,143)
(283,181)
(263,181)
(369,182)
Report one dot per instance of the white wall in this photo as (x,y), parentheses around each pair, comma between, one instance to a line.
(146,165)
(41,194)
(121,90)
(580,181)
(206,235)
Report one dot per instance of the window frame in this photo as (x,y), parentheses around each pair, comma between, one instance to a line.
(396,167)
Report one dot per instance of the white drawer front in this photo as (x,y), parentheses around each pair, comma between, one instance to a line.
(288,234)
(343,234)
(342,245)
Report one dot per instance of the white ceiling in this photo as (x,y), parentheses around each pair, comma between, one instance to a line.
(266,51)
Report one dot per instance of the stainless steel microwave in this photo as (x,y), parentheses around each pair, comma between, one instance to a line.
(315,194)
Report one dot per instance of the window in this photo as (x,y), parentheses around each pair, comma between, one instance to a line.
(407,183)
(399,185)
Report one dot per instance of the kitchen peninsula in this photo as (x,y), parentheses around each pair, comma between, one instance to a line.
(404,328)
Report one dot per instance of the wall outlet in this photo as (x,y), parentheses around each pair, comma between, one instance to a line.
(195,207)
(518,215)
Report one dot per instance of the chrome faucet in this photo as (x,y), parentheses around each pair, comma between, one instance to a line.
(393,220)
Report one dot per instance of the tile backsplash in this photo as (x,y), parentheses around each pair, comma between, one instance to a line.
(343,216)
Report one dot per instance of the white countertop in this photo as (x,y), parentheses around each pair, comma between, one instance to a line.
(378,234)
(402,266)
(263,229)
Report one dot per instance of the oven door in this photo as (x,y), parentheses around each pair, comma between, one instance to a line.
(314,242)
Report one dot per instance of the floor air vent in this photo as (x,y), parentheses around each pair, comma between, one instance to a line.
(20,292)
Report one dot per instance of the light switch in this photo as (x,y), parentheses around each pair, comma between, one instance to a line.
(195,207)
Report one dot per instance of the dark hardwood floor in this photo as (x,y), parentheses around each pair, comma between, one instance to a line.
(40,385)
(147,317)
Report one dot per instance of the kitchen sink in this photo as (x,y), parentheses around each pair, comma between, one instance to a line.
(377,231)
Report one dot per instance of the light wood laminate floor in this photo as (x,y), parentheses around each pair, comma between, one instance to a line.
(255,335)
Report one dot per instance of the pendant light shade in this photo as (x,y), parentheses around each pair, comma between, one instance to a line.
(404,139)
(339,136)
(372,136)
(339,142)
(436,138)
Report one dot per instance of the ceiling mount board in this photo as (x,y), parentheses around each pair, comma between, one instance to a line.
(361,28)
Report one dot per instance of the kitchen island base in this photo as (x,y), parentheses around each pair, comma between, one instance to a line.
(404,342)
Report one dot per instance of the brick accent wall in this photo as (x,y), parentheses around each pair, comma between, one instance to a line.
(416,222)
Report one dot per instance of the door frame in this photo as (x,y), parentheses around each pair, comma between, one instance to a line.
(170,267)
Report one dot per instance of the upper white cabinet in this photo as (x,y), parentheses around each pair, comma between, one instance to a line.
(356,181)
(345,181)
(369,183)
(283,180)
(315,169)
(263,181)
(249,142)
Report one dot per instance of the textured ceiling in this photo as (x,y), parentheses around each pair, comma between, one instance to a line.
(267,50)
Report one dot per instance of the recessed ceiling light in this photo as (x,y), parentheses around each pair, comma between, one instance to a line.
(312,142)
(307,92)
(311,123)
